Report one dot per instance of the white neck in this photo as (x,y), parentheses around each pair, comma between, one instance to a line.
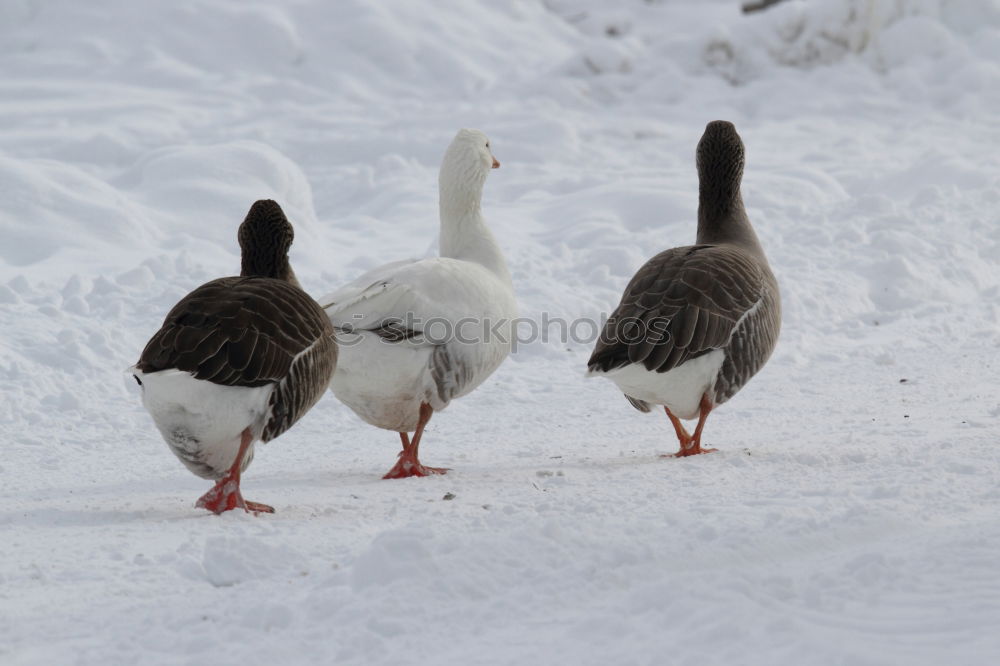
(464,234)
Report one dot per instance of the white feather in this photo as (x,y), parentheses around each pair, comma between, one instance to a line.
(679,389)
(201,420)
(384,383)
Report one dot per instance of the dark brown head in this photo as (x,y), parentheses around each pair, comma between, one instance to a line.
(720,170)
(720,157)
(265,238)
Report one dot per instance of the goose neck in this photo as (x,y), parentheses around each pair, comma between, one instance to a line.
(262,265)
(722,219)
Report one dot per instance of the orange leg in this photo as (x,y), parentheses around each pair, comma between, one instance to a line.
(409,462)
(682,434)
(225,495)
(691,444)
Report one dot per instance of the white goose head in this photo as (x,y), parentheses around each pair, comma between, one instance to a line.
(464,235)
(466,164)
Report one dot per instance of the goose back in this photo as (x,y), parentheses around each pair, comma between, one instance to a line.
(250,332)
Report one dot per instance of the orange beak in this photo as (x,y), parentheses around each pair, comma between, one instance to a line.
(496,165)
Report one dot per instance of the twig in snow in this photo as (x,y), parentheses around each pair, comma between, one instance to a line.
(758,5)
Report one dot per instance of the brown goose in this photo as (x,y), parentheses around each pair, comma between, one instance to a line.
(237,360)
(697,322)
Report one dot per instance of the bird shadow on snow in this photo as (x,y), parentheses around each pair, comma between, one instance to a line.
(173,508)
(90,517)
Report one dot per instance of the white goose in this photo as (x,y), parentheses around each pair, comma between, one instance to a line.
(415,335)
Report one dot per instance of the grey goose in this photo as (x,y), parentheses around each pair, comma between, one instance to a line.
(696,322)
(238,360)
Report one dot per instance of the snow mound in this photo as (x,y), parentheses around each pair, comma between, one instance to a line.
(230,561)
(193,197)
(886,34)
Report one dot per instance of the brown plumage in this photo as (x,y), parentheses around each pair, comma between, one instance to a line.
(686,302)
(250,331)
(255,331)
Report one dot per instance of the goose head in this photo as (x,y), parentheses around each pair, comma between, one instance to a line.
(265,238)
(464,168)
(720,158)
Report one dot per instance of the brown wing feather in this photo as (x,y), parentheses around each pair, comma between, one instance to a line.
(237,331)
(750,346)
(308,379)
(681,304)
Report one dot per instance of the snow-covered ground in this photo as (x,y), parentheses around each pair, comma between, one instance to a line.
(852,514)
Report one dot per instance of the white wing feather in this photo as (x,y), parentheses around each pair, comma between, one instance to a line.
(414,292)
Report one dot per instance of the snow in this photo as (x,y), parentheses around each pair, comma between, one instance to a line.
(852,514)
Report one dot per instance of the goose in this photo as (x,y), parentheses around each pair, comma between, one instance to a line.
(415,335)
(696,322)
(238,360)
